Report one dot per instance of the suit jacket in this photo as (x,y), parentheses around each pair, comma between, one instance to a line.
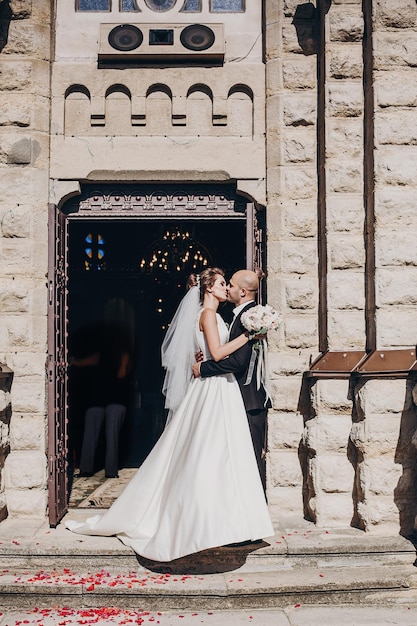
(238,364)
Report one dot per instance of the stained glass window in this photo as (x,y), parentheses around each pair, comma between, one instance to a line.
(227,6)
(129,5)
(193,6)
(160,5)
(94,252)
(93,5)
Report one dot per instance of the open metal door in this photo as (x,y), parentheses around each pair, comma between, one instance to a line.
(255,244)
(57,367)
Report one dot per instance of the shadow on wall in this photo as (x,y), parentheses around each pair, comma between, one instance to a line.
(306,22)
(5,19)
(379,442)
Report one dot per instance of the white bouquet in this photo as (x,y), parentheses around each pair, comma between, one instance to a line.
(258,320)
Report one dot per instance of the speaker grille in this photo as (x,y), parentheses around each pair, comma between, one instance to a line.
(197,37)
(125,37)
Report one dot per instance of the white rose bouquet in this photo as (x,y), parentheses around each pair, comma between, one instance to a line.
(258,320)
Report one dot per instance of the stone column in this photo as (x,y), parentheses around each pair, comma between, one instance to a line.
(24,161)
(384,458)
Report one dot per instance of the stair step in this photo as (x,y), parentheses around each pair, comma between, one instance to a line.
(139,588)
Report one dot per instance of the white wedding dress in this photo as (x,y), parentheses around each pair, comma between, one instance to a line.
(199,487)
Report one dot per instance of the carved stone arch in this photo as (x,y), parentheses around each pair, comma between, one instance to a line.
(118,88)
(240,110)
(200,109)
(77,110)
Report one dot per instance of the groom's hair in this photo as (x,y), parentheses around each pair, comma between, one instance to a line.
(208,278)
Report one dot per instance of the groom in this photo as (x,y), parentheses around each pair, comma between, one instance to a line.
(242,289)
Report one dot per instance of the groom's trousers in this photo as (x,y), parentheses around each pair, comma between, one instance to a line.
(113,416)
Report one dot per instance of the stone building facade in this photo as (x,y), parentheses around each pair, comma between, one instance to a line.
(307,112)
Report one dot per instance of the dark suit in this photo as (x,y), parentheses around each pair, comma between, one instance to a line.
(253,398)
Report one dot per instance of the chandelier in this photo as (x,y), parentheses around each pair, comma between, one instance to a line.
(175,251)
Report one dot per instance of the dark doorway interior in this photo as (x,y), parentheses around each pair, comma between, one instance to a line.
(133,274)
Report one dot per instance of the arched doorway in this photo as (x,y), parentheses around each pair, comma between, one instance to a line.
(123,255)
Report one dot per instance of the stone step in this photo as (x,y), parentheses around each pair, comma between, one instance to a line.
(240,589)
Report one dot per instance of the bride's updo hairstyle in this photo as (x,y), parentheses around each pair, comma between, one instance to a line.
(207,279)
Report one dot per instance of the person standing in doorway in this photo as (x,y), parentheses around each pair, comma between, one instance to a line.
(241,291)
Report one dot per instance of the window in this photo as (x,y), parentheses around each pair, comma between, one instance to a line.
(94,252)
(160,5)
(129,5)
(193,6)
(227,6)
(93,5)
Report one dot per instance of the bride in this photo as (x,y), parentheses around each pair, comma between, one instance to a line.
(199,487)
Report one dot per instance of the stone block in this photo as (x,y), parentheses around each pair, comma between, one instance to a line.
(345,100)
(344,138)
(15,255)
(397,286)
(301,293)
(285,393)
(300,110)
(376,435)
(287,363)
(327,434)
(297,259)
(382,396)
(284,468)
(335,474)
(333,510)
(299,74)
(346,329)
(25,470)
(284,501)
(395,209)
(284,431)
(379,514)
(15,110)
(15,296)
(301,331)
(15,221)
(396,128)
(28,364)
(300,183)
(5,400)
(346,62)
(380,476)
(345,213)
(345,177)
(400,15)
(331,396)
(27,503)
(28,432)
(396,327)
(346,290)
(300,219)
(26,39)
(396,89)
(396,248)
(300,147)
(395,49)
(346,25)
(28,396)
(346,252)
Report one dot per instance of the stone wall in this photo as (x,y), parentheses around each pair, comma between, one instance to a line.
(24,164)
(340,450)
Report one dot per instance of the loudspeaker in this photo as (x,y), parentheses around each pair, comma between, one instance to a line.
(188,43)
